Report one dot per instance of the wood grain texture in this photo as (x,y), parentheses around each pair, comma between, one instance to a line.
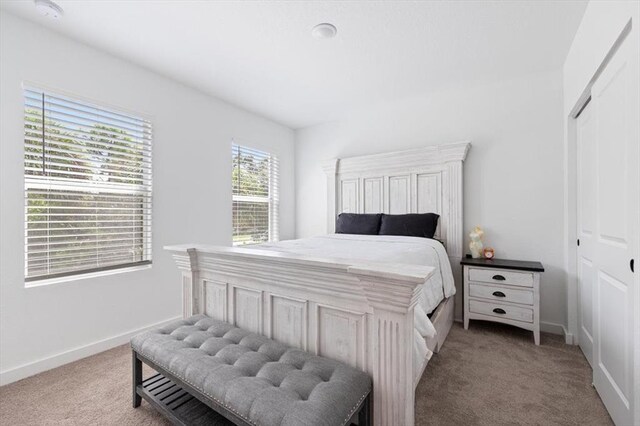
(490,275)
(512,299)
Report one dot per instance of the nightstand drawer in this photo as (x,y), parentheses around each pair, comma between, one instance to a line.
(497,276)
(524,297)
(501,311)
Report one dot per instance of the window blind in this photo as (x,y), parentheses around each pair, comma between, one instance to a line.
(87,187)
(255,196)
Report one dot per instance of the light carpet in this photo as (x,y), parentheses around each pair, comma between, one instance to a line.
(487,375)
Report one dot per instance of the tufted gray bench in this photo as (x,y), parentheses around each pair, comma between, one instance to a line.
(208,368)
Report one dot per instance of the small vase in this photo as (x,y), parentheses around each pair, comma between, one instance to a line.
(476,242)
(476,249)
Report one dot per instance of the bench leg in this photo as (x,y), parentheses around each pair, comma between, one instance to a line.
(364,417)
(136,379)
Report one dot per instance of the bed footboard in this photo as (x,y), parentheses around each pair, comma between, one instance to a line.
(360,314)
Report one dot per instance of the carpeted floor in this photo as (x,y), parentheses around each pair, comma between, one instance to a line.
(488,375)
(493,374)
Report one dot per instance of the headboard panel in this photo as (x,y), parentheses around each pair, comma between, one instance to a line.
(416,181)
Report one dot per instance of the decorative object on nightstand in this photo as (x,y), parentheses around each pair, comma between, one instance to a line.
(506,291)
(475,245)
(488,253)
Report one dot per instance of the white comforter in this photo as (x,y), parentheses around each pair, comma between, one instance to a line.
(384,249)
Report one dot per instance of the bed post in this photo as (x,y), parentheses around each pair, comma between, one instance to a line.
(455,232)
(330,167)
(393,295)
(192,299)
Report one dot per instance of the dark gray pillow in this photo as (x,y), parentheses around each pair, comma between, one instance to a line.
(351,223)
(410,225)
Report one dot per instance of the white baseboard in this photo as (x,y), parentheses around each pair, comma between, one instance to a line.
(32,368)
(560,329)
(568,338)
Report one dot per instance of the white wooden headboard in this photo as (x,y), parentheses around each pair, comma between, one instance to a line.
(416,181)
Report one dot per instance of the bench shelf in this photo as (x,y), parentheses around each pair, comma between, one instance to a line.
(178,405)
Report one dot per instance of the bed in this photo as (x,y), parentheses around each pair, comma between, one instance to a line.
(387,249)
(347,297)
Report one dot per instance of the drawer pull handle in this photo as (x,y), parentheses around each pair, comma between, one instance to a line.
(499,294)
(499,311)
(499,277)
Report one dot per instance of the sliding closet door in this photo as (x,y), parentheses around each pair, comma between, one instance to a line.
(586,144)
(614,102)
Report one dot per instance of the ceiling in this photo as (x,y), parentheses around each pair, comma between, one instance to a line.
(261,56)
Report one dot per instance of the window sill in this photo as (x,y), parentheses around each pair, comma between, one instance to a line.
(50,281)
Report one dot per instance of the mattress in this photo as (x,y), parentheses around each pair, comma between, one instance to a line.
(387,249)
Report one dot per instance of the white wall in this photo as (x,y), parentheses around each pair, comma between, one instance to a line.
(513,173)
(191,190)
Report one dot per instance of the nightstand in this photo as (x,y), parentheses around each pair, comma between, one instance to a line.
(500,290)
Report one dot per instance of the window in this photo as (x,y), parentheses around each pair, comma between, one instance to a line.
(87,187)
(255,196)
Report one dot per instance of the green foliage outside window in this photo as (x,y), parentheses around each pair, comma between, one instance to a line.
(71,225)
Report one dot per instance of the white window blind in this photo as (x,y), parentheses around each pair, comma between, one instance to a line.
(255,196)
(87,187)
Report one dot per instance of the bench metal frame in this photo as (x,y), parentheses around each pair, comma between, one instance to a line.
(145,389)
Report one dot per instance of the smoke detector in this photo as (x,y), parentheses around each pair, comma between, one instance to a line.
(324,30)
(49,9)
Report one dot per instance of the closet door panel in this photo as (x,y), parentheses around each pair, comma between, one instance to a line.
(614,97)
(613,124)
(587,208)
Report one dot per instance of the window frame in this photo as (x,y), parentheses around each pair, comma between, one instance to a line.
(272,199)
(144,189)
